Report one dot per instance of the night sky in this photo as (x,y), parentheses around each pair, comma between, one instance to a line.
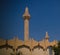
(45,17)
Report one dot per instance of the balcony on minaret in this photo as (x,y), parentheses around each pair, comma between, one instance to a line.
(26,15)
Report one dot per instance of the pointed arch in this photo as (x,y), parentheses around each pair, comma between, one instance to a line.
(22,46)
(37,47)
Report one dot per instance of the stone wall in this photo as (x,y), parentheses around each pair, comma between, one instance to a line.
(26,51)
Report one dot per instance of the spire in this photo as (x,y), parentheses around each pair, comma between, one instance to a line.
(46,37)
(26,14)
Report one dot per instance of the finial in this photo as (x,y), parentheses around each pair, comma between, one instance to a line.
(46,37)
(26,14)
(15,38)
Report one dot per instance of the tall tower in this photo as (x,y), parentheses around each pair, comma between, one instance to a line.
(26,17)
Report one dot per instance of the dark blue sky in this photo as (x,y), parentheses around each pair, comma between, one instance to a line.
(45,16)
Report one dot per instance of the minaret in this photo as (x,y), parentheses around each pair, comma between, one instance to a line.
(46,37)
(26,17)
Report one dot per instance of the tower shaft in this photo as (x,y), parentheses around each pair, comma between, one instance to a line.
(26,29)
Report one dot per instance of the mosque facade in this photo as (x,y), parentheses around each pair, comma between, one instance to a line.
(27,46)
